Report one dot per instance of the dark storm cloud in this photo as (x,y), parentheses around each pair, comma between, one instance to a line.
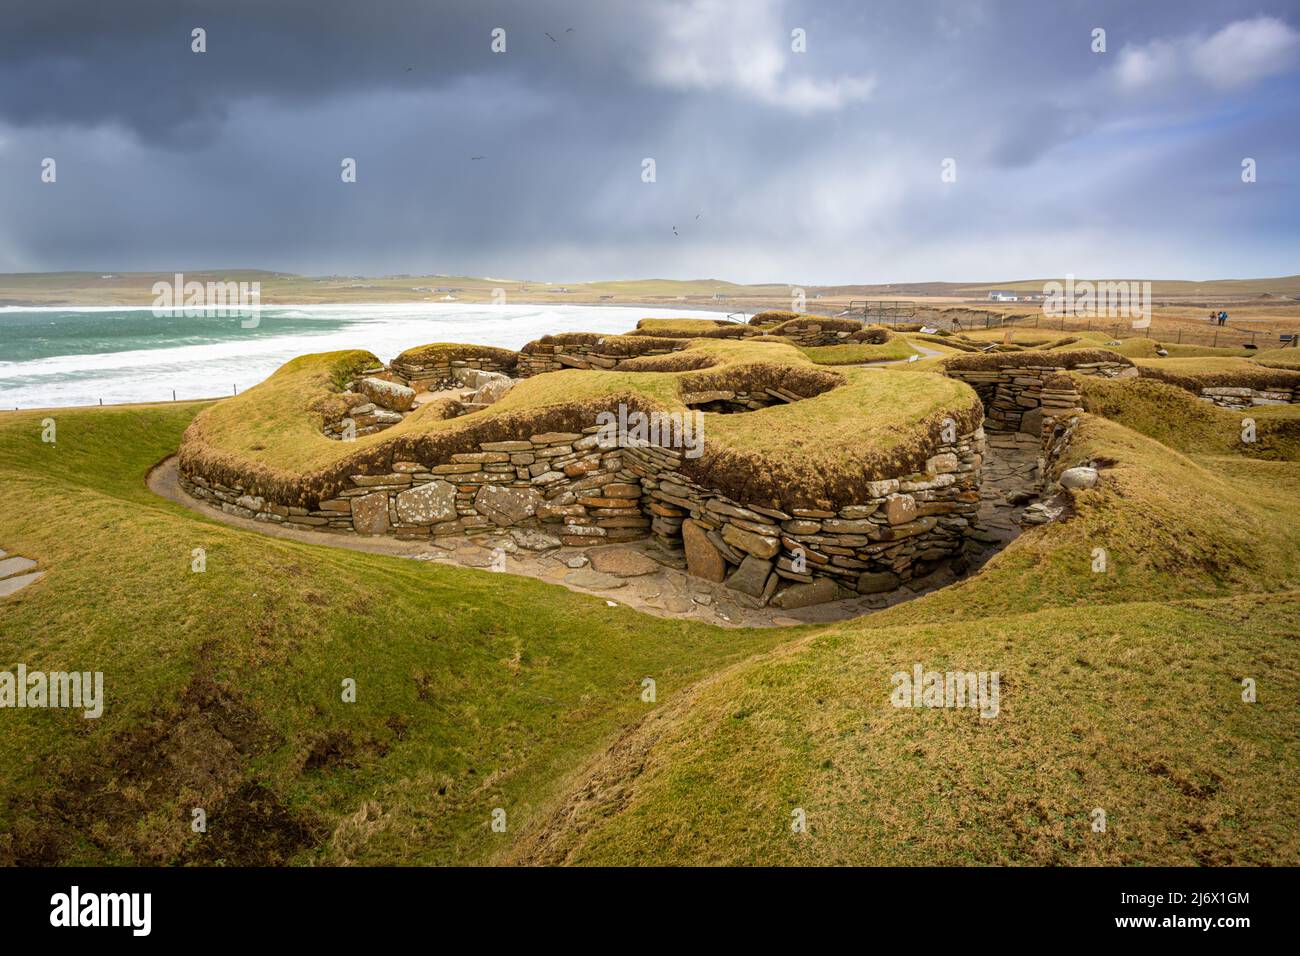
(821,166)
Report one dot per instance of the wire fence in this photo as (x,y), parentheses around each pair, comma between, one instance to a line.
(1224,336)
(1218,336)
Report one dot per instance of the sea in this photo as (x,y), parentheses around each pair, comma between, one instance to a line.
(63,356)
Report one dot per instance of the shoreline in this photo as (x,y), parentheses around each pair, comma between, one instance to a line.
(431,312)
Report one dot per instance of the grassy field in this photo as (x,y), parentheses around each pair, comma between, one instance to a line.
(1120,690)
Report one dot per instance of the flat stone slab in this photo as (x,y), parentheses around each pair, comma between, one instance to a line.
(429,503)
(595,580)
(473,556)
(623,562)
(15,565)
(9,585)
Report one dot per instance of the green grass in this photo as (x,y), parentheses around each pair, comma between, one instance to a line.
(857,353)
(698,326)
(1119,690)
(475,690)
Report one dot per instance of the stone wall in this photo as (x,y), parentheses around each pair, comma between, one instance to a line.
(438,371)
(906,528)
(809,331)
(1028,398)
(580,350)
(584,493)
(562,479)
(1245,397)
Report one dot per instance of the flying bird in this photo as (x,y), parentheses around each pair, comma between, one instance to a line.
(476,157)
(674,230)
(551,38)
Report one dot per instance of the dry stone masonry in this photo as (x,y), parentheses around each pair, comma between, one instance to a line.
(581,488)
(552,353)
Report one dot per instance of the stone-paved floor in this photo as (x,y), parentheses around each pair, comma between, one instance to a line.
(16,573)
(1009,483)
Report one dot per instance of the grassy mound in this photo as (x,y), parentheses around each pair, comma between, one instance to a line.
(692,328)
(772,317)
(894,349)
(808,454)
(1189,424)
(438,353)
(1210,372)
(618,345)
(1066,358)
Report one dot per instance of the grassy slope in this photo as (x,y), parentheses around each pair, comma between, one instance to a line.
(1119,690)
(475,690)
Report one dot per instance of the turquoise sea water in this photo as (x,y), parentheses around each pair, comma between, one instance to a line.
(65,356)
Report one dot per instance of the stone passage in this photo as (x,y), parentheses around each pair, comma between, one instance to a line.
(1027,391)
(16,573)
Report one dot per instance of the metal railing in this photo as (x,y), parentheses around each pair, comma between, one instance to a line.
(880,311)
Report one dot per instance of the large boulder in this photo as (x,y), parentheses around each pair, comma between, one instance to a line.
(1081,477)
(492,389)
(877,582)
(474,377)
(390,395)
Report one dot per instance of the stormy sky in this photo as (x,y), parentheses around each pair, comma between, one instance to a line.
(822,166)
